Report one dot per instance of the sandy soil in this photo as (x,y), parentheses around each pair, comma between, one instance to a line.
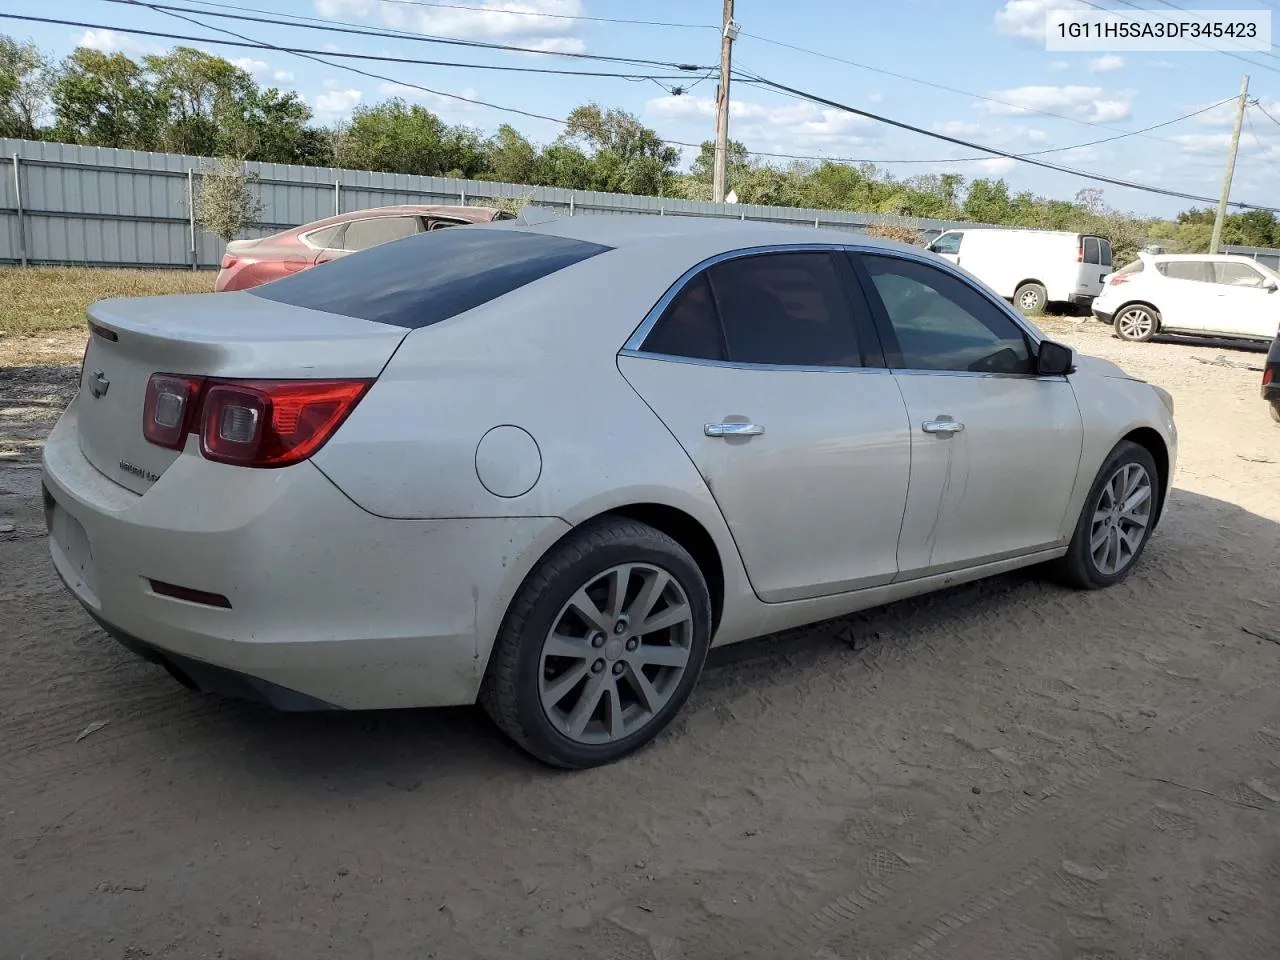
(1008,770)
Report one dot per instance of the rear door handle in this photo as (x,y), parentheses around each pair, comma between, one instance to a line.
(943,425)
(733,429)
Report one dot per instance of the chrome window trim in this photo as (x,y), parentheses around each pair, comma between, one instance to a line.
(632,348)
(739,365)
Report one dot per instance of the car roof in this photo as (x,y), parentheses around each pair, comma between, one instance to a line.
(1221,257)
(696,237)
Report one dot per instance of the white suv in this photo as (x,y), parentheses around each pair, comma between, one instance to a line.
(1214,295)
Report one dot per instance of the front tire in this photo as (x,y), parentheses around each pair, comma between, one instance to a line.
(1116,520)
(601,645)
(1031,298)
(1136,323)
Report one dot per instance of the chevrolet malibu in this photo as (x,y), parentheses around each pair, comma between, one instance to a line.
(551,470)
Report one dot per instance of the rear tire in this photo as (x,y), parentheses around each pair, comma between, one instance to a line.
(574,678)
(1136,323)
(1031,298)
(1116,520)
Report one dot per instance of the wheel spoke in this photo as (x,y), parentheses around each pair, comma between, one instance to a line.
(586,608)
(1134,500)
(619,580)
(1113,550)
(616,723)
(561,645)
(655,583)
(582,711)
(557,689)
(1100,534)
(661,655)
(648,694)
(672,616)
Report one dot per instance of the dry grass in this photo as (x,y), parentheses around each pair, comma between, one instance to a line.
(42,309)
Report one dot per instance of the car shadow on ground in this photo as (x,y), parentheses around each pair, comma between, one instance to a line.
(355,752)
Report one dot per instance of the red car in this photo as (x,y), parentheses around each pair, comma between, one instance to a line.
(248,263)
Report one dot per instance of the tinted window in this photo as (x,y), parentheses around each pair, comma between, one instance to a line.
(1199,270)
(1237,275)
(943,323)
(437,222)
(690,327)
(947,243)
(321,239)
(1106,252)
(429,277)
(1091,252)
(362,234)
(785,308)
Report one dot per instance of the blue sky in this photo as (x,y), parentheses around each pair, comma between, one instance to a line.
(987,48)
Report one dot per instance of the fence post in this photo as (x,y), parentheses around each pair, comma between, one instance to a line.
(571,204)
(462,194)
(337,197)
(17,192)
(816,225)
(191,217)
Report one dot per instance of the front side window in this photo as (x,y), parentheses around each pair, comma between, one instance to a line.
(947,243)
(943,323)
(781,309)
(1236,274)
(362,234)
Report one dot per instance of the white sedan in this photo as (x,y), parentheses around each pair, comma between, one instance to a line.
(1214,295)
(547,466)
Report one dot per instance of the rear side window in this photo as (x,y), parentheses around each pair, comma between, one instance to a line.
(776,309)
(429,277)
(323,238)
(1198,270)
(1105,247)
(362,234)
(1092,252)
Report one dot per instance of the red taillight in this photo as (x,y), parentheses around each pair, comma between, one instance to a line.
(273,423)
(1117,278)
(228,261)
(249,423)
(1266,376)
(1080,254)
(168,412)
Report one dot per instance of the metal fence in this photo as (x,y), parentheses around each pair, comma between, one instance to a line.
(66,204)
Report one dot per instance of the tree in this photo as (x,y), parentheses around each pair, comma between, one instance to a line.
(272,127)
(203,99)
(510,157)
(105,100)
(25,79)
(397,137)
(226,203)
(628,156)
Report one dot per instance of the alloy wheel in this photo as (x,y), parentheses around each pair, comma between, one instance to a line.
(616,653)
(1136,324)
(1120,519)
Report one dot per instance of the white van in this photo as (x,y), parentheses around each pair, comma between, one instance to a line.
(1031,268)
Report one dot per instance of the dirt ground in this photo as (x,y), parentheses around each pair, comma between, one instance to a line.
(1007,771)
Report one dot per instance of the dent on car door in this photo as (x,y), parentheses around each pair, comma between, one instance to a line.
(767,371)
(995,448)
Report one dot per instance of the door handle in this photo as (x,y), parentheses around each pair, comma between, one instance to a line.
(732,429)
(943,426)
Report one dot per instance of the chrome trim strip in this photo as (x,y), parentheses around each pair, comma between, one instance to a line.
(633,344)
(979,373)
(738,365)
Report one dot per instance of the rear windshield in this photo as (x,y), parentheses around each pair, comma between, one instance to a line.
(430,277)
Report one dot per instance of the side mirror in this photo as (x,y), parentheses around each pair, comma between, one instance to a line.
(1054,360)
(1270,286)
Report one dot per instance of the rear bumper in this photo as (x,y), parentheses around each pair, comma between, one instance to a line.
(329,605)
(1106,316)
(1080,299)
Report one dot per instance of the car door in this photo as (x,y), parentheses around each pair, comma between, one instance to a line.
(1188,300)
(948,245)
(1095,266)
(994,447)
(766,368)
(1246,305)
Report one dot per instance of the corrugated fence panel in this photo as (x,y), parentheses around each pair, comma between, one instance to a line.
(97,205)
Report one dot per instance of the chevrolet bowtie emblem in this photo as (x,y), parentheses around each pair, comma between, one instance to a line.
(99,384)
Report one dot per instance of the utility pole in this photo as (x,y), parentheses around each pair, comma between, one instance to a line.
(727,36)
(1231,166)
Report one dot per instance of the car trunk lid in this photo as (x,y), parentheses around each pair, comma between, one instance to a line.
(226,335)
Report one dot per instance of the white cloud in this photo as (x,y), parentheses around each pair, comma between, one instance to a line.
(282,76)
(258,68)
(1106,64)
(1027,18)
(958,128)
(435,102)
(792,128)
(522,23)
(1084,103)
(875,97)
(1060,65)
(995,165)
(108,41)
(337,101)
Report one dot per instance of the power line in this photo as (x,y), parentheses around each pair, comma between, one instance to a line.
(1174,6)
(553,16)
(304,51)
(1258,104)
(939,86)
(1227,53)
(1058,168)
(423,38)
(1258,142)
